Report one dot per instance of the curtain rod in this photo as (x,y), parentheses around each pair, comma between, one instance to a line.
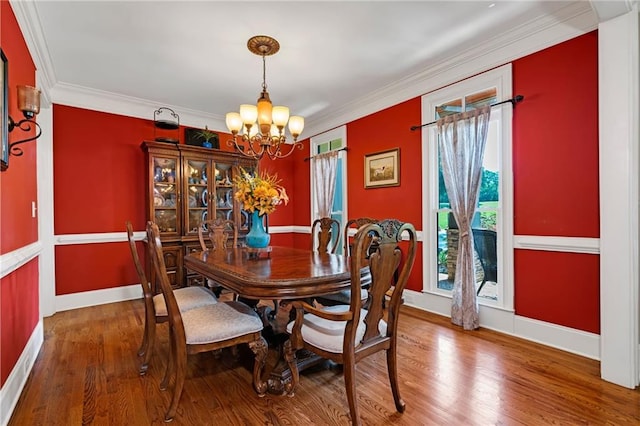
(336,150)
(516,99)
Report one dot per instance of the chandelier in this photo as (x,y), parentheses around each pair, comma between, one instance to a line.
(268,136)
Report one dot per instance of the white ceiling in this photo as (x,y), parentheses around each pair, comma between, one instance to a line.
(192,55)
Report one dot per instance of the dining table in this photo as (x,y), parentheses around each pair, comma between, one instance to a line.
(279,274)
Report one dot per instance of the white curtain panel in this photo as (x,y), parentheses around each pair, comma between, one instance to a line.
(324,183)
(462,139)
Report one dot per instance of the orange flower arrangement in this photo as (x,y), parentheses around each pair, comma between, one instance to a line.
(261,192)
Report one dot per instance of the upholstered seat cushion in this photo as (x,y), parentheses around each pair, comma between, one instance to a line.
(344,296)
(187,298)
(222,321)
(328,335)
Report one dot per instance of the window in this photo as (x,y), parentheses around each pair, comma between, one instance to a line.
(333,140)
(492,224)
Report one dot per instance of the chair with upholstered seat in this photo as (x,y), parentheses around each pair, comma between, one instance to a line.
(344,296)
(217,234)
(220,234)
(155,309)
(326,231)
(351,227)
(204,329)
(347,334)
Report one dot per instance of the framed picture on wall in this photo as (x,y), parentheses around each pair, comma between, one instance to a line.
(382,169)
(4,112)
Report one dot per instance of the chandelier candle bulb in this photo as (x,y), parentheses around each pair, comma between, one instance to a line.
(296,125)
(249,114)
(234,122)
(280,116)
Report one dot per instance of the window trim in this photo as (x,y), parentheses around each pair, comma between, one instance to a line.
(500,78)
(337,133)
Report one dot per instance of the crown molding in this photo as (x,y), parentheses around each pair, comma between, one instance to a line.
(606,10)
(575,19)
(29,23)
(114,103)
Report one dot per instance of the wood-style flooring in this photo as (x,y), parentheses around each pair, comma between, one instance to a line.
(87,373)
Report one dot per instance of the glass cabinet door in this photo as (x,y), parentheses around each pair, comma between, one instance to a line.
(166,194)
(224,191)
(196,175)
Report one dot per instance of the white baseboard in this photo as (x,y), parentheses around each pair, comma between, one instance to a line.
(564,338)
(567,339)
(66,302)
(10,392)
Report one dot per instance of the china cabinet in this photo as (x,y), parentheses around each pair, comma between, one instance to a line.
(185,186)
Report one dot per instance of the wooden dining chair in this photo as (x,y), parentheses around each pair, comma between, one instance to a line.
(219,233)
(326,231)
(344,296)
(204,329)
(155,308)
(352,226)
(347,334)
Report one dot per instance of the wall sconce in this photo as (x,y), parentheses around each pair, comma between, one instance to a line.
(29,104)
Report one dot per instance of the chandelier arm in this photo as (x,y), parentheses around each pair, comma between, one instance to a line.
(257,153)
(279,152)
(240,148)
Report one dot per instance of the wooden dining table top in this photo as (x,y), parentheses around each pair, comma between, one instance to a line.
(288,273)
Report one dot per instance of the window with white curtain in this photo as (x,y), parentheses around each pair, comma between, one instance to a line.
(493,222)
(333,140)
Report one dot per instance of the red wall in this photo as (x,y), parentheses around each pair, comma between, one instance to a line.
(384,130)
(381,131)
(555,140)
(19,189)
(555,156)
(19,314)
(18,290)
(558,288)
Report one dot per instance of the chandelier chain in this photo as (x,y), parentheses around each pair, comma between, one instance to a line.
(264,73)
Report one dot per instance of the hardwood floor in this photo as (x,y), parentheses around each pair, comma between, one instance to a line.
(87,373)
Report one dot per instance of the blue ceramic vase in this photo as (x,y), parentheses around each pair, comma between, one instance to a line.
(257,236)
